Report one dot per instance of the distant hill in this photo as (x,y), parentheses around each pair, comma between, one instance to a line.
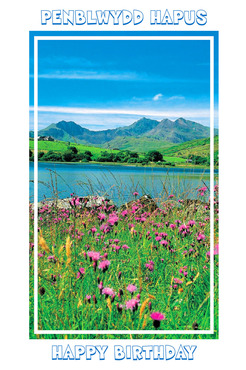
(199,147)
(133,137)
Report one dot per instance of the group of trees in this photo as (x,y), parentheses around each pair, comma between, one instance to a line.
(198,160)
(70,155)
(124,156)
(127,156)
(121,156)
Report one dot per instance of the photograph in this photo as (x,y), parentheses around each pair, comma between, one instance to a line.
(124,186)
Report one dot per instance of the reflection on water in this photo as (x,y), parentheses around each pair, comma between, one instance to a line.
(117,182)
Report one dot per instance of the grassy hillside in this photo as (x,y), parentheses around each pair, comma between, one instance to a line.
(175,154)
(62,146)
(140,145)
(199,147)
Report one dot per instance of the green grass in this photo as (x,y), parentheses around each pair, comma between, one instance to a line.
(174,159)
(68,237)
(140,145)
(62,146)
(175,154)
(199,147)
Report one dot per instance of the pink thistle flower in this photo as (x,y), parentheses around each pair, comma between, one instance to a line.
(80,272)
(100,287)
(200,237)
(157,317)
(132,304)
(177,281)
(124,246)
(77,202)
(41,254)
(216,249)
(135,193)
(52,258)
(117,248)
(131,288)
(94,256)
(88,298)
(101,216)
(178,222)
(113,219)
(95,266)
(108,292)
(94,299)
(104,265)
(134,209)
(150,266)
(164,242)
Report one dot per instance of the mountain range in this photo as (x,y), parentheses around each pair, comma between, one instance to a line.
(145,129)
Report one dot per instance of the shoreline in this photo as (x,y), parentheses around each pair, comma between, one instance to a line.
(177,166)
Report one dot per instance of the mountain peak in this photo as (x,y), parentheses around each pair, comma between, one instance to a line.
(166,130)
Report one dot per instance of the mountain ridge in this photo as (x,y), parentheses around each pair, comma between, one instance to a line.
(178,131)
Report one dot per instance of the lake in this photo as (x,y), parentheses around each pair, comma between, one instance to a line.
(116,182)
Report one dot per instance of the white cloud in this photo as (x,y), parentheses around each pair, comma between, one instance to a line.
(192,113)
(176,97)
(157,97)
(98,119)
(91,75)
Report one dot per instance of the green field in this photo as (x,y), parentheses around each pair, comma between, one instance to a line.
(175,154)
(62,146)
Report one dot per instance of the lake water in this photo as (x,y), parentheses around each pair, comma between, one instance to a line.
(117,182)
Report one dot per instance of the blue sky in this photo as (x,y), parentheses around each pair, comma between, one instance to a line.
(107,84)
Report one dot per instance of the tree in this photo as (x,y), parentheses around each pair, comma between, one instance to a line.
(132,160)
(154,156)
(51,156)
(73,149)
(68,155)
(31,156)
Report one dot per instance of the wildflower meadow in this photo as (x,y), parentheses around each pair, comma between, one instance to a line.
(144,265)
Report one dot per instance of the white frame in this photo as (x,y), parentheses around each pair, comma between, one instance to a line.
(146,332)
